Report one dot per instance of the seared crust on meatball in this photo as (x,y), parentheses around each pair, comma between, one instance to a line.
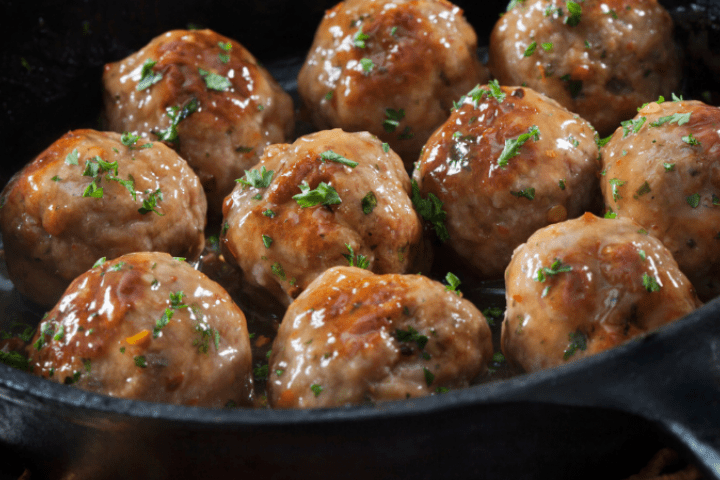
(233,107)
(354,214)
(662,170)
(582,286)
(147,326)
(494,200)
(390,67)
(89,195)
(353,337)
(602,64)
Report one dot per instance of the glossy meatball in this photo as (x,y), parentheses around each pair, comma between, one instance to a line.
(147,326)
(390,67)
(662,169)
(353,337)
(331,198)
(507,162)
(602,62)
(91,195)
(582,286)
(227,107)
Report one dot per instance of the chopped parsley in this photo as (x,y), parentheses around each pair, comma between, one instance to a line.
(257,178)
(278,270)
(530,49)
(176,115)
(615,184)
(386,147)
(269,213)
(329,155)
(316,389)
(359,38)
(644,188)
(669,167)
(429,376)
(261,372)
(411,335)
(555,268)
(93,191)
(367,64)
(147,76)
(492,313)
(512,145)
(354,260)
(547,46)
(561,184)
(56,178)
(650,283)
(72,157)
(633,125)
(691,140)
(693,200)
(575,13)
(528,193)
(140,361)
(151,202)
(324,194)
(226,47)
(162,322)
(453,283)
(368,203)
(679,118)
(578,341)
(430,209)
(392,119)
(267,241)
(213,81)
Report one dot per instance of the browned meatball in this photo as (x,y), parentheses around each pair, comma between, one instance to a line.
(353,337)
(89,195)
(582,286)
(147,326)
(507,162)
(390,67)
(662,170)
(331,198)
(228,108)
(602,62)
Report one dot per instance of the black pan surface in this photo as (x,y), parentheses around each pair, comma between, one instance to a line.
(602,417)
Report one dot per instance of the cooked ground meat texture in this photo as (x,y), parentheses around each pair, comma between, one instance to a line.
(494,200)
(361,211)
(147,326)
(229,108)
(583,286)
(89,195)
(390,67)
(355,337)
(601,64)
(662,170)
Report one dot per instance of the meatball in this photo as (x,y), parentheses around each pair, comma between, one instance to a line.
(390,67)
(600,59)
(204,94)
(331,198)
(662,169)
(96,194)
(582,286)
(353,337)
(147,326)
(507,162)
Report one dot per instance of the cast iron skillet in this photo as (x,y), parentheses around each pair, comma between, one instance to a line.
(602,417)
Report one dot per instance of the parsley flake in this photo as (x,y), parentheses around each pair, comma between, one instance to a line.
(324,194)
(151,202)
(213,81)
(358,260)
(176,115)
(337,158)
(555,268)
(72,158)
(578,341)
(575,12)
(316,389)
(453,283)
(691,140)
(693,200)
(367,64)
(267,241)
(530,49)
(368,203)
(140,361)
(278,270)
(512,145)
(359,38)
(257,178)
(147,76)
(679,118)
(429,376)
(162,322)
(616,183)
(430,209)
(392,120)
(528,193)
(650,283)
